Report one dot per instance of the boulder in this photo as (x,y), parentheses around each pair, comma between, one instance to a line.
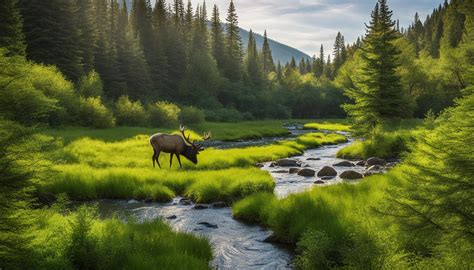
(327,171)
(351,175)
(200,206)
(294,170)
(327,177)
(306,172)
(148,200)
(286,162)
(219,204)
(259,165)
(313,158)
(280,171)
(271,239)
(272,165)
(209,225)
(319,182)
(344,163)
(133,201)
(185,202)
(375,161)
(361,163)
(375,168)
(172,217)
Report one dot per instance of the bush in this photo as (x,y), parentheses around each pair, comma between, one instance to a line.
(228,115)
(92,113)
(91,85)
(191,115)
(129,113)
(163,114)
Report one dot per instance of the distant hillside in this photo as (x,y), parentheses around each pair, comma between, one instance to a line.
(281,52)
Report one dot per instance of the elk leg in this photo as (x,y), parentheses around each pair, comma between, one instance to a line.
(156,158)
(171,159)
(179,160)
(153,157)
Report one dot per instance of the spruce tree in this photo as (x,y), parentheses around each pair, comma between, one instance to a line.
(267,58)
(328,68)
(292,63)
(11,28)
(234,53)
(253,66)
(217,39)
(88,33)
(378,94)
(337,54)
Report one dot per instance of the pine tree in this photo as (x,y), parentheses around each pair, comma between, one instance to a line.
(267,58)
(253,66)
(378,95)
(217,39)
(51,31)
(453,24)
(343,51)
(88,33)
(234,54)
(292,63)
(337,54)
(328,68)
(11,28)
(160,68)
(302,66)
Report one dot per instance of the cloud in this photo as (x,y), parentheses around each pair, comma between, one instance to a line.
(306,24)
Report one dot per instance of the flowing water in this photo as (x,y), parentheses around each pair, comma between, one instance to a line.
(235,245)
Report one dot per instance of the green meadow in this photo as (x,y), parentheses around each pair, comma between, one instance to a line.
(97,169)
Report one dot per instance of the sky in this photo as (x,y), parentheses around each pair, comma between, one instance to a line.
(306,24)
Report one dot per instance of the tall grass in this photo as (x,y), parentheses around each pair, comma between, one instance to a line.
(81,240)
(328,126)
(95,169)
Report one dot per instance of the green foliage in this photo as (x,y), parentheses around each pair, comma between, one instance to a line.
(226,115)
(92,113)
(12,37)
(80,240)
(191,115)
(130,113)
(328,126)
(90,85)
(163,114)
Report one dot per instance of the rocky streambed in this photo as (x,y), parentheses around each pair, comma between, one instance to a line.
(237,245)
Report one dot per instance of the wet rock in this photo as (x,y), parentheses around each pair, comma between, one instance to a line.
(306,166)
(219,205)
(306,172)
(313,158)
(208,225)
(344,163)
(272,164)
(393,160)
(185,202)
(280,171)
(200,207)
(319,182)
(361,163)
(132,201)
(172,217)
(351,175)
(148,200)
(375,161)
(391,164)
(327,171)
(286,162)
(259,165)
(375,168)
(271,239)
(327,177)
(294,170)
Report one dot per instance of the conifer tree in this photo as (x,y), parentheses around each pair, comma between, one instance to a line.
(11,28)
(253,66)
(217,39)
(267,58)
(302,66)
(378,94)
(88,33)
(234,54)
(292,63)
(337,54)
(328,68)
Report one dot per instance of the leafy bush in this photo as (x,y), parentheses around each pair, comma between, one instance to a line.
(224,115)
(92,113)
(91,85)
(129,113)
(191,115)
(163,114)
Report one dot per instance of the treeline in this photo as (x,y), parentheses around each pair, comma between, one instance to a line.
(168,53)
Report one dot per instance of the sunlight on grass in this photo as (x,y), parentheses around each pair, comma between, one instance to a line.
(328,126)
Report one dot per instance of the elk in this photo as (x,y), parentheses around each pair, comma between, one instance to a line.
(176,145)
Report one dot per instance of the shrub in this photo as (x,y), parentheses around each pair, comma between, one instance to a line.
(91,85)
(191,115)
(92,113)
(129,113)
(224,115)
(163,114)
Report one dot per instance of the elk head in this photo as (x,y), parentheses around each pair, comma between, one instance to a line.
(193,150)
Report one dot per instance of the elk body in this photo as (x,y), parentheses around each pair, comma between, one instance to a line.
(176,145)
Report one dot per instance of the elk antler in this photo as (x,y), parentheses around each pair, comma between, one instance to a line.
(205,137)
(183,129)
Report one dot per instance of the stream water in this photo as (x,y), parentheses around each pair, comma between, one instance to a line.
(235,245)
